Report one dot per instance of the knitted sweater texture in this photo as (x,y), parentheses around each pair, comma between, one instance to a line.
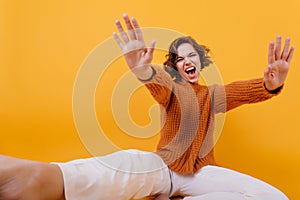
(188,114)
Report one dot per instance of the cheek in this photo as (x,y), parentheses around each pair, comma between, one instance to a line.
(179,66)
(197,62)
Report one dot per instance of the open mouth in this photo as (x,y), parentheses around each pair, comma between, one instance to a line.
(190,70)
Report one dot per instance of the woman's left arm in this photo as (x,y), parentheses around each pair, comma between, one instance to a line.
(238,93)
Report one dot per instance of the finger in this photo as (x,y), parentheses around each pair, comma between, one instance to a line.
(291,53)
(121,31)
(267,71)
(267,75)
(129,26)
(120,43)
(271,52)
(151,47)
(278,47)
(139,34)
(286,49)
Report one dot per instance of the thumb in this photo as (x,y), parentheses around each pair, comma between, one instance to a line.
(267,72)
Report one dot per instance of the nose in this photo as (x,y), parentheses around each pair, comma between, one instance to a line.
(187,61)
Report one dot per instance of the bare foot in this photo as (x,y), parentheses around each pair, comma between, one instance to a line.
(23,180)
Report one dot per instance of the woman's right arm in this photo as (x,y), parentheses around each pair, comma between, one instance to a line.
(136,54)
(139,57)
(160,85)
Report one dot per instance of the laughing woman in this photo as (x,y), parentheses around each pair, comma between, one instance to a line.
(184,163)
(186,137)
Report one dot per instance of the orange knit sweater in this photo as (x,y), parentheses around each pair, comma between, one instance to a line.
(187,116)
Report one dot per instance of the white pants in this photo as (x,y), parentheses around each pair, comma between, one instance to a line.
(123,175)
(134,174)
(215,183)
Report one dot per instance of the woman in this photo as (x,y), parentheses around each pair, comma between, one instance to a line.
(184,163)
(186,138)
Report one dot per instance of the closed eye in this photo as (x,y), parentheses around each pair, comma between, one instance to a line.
(178,59)
(192,55)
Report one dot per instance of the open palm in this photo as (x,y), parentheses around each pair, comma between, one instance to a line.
(278,63)
(132,44)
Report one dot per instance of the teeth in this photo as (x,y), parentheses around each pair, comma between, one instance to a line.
(190,69)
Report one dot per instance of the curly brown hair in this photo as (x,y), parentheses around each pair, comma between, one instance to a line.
(170,63)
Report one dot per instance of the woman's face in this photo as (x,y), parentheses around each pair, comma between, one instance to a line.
(188,62)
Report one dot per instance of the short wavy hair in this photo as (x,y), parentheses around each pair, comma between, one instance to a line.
(170,63)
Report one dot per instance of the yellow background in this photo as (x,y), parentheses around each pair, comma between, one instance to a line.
(43,44)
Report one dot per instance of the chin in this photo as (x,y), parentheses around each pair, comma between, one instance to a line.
(195,80)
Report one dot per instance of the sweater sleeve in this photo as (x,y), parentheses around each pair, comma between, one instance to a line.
(160,85)
(238,93)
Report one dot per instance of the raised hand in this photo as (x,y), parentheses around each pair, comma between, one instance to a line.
(278,63)
(136,54)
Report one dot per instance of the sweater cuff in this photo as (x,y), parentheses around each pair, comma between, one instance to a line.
(150,78)
(276,91)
